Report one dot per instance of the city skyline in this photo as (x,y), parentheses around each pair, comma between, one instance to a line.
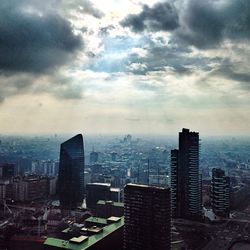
(132,66)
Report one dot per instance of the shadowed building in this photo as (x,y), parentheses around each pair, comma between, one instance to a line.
(220,190)
(96,192)
(71,172)
(147,211)
(186,182)
(7,171)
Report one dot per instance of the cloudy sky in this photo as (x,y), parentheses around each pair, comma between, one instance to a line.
(120,66)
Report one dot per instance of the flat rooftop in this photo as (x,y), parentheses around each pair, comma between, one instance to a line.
(145,187)
(80,243)
(113,203)
(97,220)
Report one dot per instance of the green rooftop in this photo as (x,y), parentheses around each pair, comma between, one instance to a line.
(97,220)
(82,244)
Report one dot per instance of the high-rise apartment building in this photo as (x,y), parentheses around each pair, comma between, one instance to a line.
(71,172)
(220,193)
(186,180)
(147,211)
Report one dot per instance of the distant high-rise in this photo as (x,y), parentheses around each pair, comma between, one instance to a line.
(147,211)
(71,172)
(220,190)
(93,157)
(185,177)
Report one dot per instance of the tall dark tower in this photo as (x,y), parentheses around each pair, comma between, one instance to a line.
(186,178)
(71,172)
(147,211)
(220,193)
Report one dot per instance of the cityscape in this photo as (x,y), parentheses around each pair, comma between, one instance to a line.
(124,125)
(125,192)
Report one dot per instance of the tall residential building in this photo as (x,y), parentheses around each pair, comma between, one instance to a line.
(71,172)
(186,182)
(220,193)
(147,211)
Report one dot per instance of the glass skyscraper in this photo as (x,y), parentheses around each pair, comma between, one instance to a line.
(71,172)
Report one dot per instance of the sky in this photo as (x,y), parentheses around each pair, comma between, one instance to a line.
(125,66)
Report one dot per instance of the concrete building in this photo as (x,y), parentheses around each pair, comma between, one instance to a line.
(220,193)
(147,211)
(7,171)
(186,182)
(107,209)
(31,187)
(115,194)
(87,178)
(96,192)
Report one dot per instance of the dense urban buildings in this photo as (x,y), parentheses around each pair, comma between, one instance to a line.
(220,193)
(147,212)
(30,212)
(71,172)
(186,178)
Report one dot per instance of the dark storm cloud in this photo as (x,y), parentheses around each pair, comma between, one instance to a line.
(204,24)
(14,85)
(162,16)
(58,85)
(32,42)
(229,72)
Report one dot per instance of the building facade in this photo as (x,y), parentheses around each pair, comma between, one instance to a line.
(186,181)
(71,172)
(7,171)
(147,212)
(220,193)
(96,192)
